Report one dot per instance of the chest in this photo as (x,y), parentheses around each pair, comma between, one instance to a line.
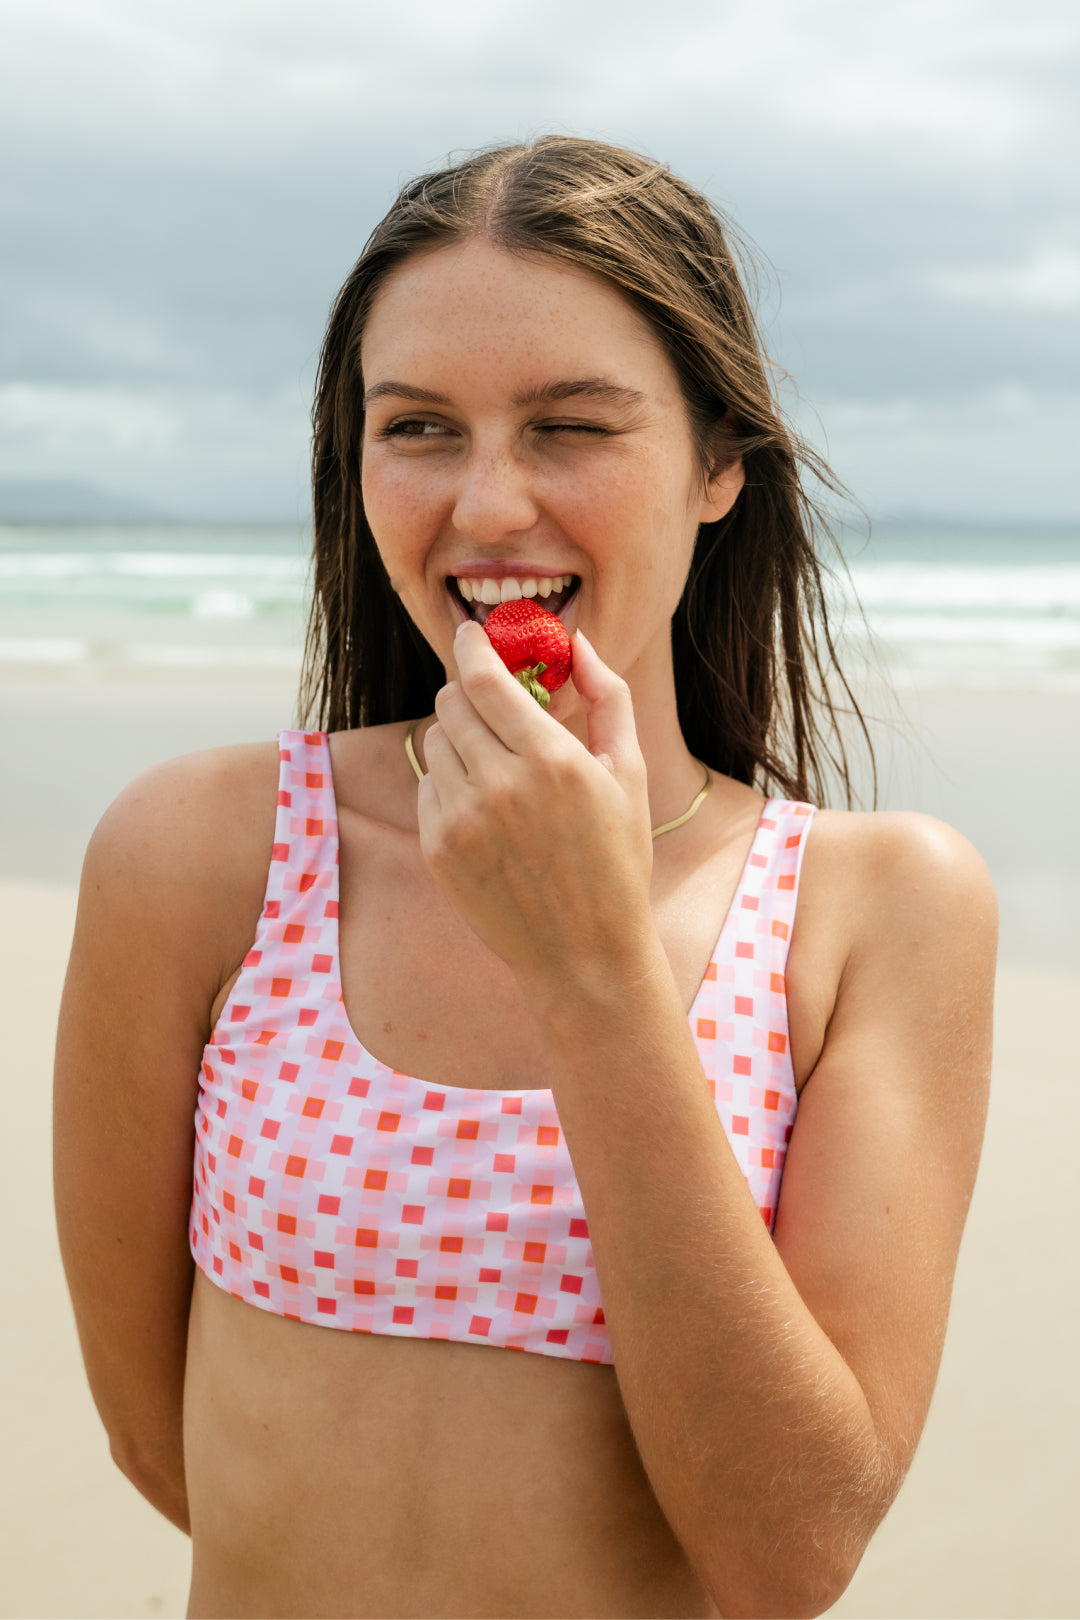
(427,998)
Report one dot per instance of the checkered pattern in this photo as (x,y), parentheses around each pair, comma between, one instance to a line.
(330,1188)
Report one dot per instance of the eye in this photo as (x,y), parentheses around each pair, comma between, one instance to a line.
(411,427)
(591,428)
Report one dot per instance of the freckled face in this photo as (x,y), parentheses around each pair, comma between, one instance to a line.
(521,415)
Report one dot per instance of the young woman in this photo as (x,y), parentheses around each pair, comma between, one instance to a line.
(365,1083)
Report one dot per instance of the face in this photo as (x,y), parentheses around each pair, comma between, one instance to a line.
(525,435)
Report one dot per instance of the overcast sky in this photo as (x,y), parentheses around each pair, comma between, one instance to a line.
(185,186)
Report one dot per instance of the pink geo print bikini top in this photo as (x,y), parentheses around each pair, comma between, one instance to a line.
(330,1188)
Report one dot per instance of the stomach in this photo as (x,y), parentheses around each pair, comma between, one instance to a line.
(333,1473)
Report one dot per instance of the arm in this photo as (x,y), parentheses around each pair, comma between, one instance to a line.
(777,1393)
(170,895)
(776,1390)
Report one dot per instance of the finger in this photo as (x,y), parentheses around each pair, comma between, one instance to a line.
(445,766)
(476,744)
(609,709)
(510,713)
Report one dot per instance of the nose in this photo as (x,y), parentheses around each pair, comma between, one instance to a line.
(494,497)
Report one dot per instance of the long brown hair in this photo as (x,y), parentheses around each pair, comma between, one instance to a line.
(754,656)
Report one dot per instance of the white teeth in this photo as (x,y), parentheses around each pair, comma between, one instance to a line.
(545,586)
(494,591)
(511,590)
(490,592)
(465,587)
(528,587)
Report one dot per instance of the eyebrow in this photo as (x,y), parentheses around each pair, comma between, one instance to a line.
(595,388)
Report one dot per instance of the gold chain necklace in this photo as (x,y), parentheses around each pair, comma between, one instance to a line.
(669,826)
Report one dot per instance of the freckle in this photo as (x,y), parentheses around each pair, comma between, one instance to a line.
(421,1034)
(387,1027)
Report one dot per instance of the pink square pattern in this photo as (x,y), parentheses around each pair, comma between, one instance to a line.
(333,1189)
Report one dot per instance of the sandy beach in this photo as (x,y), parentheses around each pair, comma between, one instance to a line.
(985,1524)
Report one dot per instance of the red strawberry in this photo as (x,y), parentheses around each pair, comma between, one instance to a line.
(533,644)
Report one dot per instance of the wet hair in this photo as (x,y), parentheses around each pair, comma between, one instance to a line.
(755,661)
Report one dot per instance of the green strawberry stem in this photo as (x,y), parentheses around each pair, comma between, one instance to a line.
(530,680)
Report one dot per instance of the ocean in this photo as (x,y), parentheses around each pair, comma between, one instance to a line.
(970,608)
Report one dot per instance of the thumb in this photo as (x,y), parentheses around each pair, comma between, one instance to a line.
(608,706)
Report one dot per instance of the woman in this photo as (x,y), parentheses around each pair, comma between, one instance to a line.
(509,1059)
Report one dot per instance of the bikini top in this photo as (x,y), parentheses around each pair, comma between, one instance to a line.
(333,1189)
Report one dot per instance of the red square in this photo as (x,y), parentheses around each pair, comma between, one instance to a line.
(321,963)
(359,1087)
(557,1336)
(740,1065)
(262,1289)
(541,1194)
(445,1291)
(270,1128)
(324,1258)
(272,908)
(388,1121)
(435,1100)
(772,1099)
(413,1214)
(526,1303)
(745,949)
(579,1228)
(240,1015)
(280,852)
(367,1237)
(598,1319)
(313,1107)
(505,1161)
(256,1186)
(307,881)
(255,1241)
(571,1285)
(253,958)
(744,1006)
(451,1245)
(342,1145)
(468,1130)
(332,1050)
(333,909)
(284,799)
(777,1042)
(511,1105)
(295,1165)
(406,1268)
(289,1072)
(280,987)
(547,1135)
(766,1215)
(234,1251)
(459,1187)
(328,1205)
(294,933)
(496,1222)
(375,1180)
(535,1252)
(480,1325)
(740,1125)
(289,1274)
(307,1016)
(750,902)
(403,1313)
(489,1274)
(327,1306)
(287,1223)
(363,1285)
(421,1155)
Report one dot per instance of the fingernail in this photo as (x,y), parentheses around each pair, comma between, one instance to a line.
(461,627)
(583,637)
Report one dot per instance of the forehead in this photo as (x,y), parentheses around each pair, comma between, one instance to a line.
(466,309)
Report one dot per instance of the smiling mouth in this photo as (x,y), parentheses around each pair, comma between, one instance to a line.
(556,601)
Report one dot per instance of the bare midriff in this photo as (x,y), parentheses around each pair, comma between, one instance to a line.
(332,1473)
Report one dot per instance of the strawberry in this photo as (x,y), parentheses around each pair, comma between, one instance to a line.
(533,644)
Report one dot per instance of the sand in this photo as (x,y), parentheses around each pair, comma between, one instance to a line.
(985,1524)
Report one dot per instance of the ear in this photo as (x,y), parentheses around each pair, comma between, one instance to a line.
(722,491)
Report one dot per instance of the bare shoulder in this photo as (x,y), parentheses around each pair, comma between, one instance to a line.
(181,855)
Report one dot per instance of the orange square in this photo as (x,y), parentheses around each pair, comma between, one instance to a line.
(445,1291)
(295,1165)
(786,881)
(542,1195)
(313,827)
(313,779)
(768,1156)
(332,1050)
(289,1274)
(772,1099)
(388,1121)
(458,1188)
(710,971)
(375,1180)
(249,1090)
(780,929)
(280,987)
(547,1135)
(526,1303)
(367,1237)
(776,984)
(706,1028)
(777,1042)
(468,1130)
(451,1245)
(535,1252)
(236,1146)
(294,933)
(313,1107)
(794,841)
(287,1223)
(362,1286)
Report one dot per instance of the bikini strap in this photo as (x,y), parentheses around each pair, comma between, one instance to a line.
(303,867)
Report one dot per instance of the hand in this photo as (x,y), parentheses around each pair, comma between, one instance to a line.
(541,843)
